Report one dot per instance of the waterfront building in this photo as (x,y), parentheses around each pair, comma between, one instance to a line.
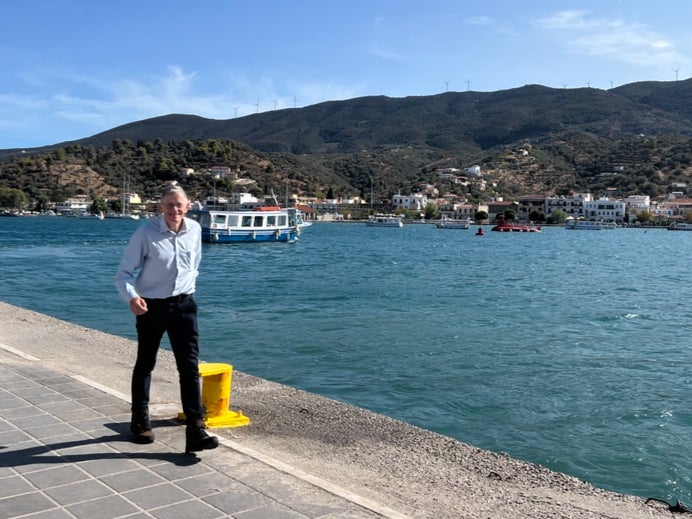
(529,204)
(605,209)
(636,204)
(75,205)
(499,207)
(414,202)
(675,209)
(458,210)
(573,205)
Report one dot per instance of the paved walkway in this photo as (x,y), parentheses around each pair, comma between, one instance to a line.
(64,453)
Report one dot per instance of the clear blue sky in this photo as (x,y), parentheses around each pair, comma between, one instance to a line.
(74,68)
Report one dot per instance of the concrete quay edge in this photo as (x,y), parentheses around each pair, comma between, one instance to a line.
(356,463)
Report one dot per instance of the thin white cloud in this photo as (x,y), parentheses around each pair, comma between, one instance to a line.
(662,44)
(486,22)
(96,105)
(571,19)
(479,20)
(616,39)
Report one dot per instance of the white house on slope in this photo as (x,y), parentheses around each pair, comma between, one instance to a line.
(415,202)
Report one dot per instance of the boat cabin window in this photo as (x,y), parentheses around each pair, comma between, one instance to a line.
(259,220)
(219,220)
(271,221)
(282,220)
(233,220)
(247,221)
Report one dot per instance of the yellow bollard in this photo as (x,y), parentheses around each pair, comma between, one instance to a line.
(216,396)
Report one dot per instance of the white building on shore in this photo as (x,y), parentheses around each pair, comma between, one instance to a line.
(605,209)
(72,205)
(572,205)
(414,202)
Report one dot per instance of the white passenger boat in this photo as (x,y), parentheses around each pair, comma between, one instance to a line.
(588,225)
(262,224)
(452,223)
(385,220)
(680,226)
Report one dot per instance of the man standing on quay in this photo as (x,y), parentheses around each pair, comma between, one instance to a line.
(156,277)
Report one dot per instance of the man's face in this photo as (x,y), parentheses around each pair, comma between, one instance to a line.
(174,207)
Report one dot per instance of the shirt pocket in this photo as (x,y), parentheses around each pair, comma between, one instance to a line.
(186,256)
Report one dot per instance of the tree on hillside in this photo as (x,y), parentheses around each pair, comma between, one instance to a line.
(645,216)
(12,198)
(480,216)
(42,203)
(98,206)
(431,211)
(536,216)
(558,216)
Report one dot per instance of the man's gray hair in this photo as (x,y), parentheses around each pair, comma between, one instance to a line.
(172,188)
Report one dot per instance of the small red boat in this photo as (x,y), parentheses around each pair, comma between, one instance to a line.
(503,226)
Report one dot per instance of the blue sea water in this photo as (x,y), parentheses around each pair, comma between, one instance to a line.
(570,349)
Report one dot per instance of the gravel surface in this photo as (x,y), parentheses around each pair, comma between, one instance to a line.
(414,471)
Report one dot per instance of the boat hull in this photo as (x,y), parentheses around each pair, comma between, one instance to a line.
(503,226)
(240,236)
(589,225)
(681,227)
(453,224)
(514,228)
(384,220)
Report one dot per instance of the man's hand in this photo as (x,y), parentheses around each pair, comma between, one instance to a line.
(138,306)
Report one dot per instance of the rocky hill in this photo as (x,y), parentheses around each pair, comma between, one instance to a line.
(634,138)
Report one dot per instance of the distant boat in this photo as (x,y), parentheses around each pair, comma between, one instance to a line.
(452,223)
(588,225)
(385,220)
(680,226)
(263,224)
(122,216)
(503,226)
(91,216)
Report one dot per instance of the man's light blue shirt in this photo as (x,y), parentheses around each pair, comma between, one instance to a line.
(158,263)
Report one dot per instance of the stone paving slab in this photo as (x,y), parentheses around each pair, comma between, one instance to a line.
(64,452)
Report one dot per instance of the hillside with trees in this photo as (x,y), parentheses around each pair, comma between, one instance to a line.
(634,139)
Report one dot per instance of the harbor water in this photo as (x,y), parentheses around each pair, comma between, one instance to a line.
(570,349)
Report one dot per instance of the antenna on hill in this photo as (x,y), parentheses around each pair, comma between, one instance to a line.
(257,106)
(611,83)
(564,85)
(274,101)
(588,84)
(447,85)
(676,73)
(295,102)
(468,85)
(235,110)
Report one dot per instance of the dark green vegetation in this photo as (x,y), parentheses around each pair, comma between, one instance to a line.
(634,139)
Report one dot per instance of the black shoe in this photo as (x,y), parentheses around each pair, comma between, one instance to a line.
(140,427)
(197,439)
